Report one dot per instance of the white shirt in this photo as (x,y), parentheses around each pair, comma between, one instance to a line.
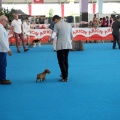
(46,21)
(4,43)
(26,28)
(17,25)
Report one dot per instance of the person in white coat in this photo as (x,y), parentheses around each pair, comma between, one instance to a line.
(26,29)
(4,49)
(63,32)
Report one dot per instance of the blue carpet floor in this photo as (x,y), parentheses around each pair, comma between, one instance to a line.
(92,93)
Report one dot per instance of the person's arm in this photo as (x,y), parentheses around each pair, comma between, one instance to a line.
(52,37)
(3,43)
(71,34)
(51,26)
(54,34)
(22,29)
(12,27)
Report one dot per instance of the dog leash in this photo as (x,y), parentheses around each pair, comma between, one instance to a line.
(47,58)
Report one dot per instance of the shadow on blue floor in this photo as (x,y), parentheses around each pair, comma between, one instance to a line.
(92,93)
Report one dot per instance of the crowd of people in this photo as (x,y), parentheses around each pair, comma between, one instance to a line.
(102,22)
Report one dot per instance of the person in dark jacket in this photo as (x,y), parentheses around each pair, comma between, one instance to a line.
(115,32)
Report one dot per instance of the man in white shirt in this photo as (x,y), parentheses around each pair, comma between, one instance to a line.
(63,32)
(17,30)
(4,49)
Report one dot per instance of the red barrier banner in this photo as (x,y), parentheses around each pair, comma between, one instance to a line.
(78,34)
(92,33)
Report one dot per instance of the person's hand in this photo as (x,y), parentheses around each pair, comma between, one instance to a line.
(9,52)
(50,40)
(22,33)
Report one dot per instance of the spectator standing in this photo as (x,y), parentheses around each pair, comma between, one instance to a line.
(4,49)
(100,22)
(90,25)
(17,30)
(115,32)
(111,21)
(107,21)
(95,23)
(103,22)
(26,29)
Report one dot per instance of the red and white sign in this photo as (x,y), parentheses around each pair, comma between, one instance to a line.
(78,34)
(92,33)
(38,1)
(40,33)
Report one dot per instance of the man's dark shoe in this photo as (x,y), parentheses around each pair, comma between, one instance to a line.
(63,80)
(18,51)
(114,47)
(7,82)
(26,50)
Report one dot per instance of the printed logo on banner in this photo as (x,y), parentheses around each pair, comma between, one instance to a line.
(38,1)
(88,32)
(35,33)
(46,32)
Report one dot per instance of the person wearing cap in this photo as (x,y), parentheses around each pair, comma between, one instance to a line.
(115,32)
(63,32)
(4,49)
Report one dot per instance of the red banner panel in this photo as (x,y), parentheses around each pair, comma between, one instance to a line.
(38,1)
(30,9)
(94,8)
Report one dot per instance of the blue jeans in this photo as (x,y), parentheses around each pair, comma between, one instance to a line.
(3,65)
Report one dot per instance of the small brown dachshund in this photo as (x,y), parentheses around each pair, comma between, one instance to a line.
(42,75)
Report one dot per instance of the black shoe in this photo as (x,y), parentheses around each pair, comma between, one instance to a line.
(62,76)
(26,50)
(114,47)
(18,51)
(63,80)
(119,47)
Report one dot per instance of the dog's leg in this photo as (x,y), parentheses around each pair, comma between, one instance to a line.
(36,80)
(39,44)
(41,79)
(37,77)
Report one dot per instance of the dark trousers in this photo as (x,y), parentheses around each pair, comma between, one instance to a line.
(116,39)
(62,56)
(17,43)
(3,65)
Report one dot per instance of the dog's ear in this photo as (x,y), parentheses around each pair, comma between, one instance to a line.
(45,70)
